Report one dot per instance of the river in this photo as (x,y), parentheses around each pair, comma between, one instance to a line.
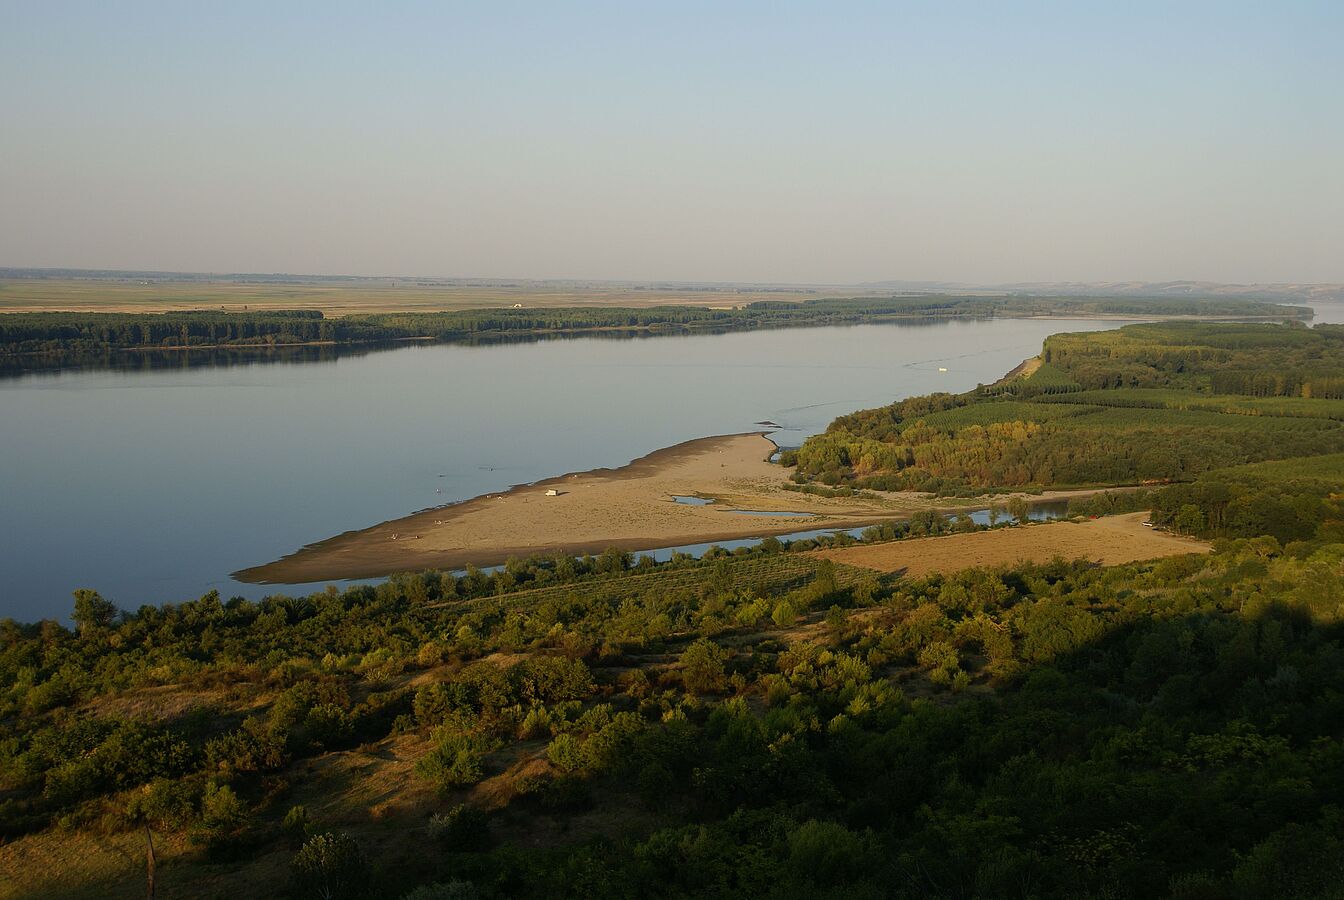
(150,486)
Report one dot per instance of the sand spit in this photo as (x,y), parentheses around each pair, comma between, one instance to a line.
(630,508)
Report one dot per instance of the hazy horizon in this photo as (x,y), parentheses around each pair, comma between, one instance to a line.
(828,145)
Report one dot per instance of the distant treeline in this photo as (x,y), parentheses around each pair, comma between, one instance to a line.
(82,332)
(63,332)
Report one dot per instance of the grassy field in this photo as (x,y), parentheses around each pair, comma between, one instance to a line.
(1111,541)
(1162,398)
(1327,470)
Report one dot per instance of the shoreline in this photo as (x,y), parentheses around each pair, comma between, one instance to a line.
(653,330)
(455,529)
(381,549)
(630,508)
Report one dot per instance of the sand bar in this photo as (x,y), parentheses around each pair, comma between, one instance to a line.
(1111,540)
(630,508)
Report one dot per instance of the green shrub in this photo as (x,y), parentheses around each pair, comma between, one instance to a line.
(462,828)
(330,867)
(456,760)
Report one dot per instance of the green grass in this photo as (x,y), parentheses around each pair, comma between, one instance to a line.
(1048,376)
(1125,418)
(1153,398)
(990,413)
(1326,471)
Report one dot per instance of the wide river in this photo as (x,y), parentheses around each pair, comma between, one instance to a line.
(152,486)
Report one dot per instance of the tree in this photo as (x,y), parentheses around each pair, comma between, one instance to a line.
(1189,519)
(702,667)
(224,817)
(1019,509)
(92,612)
(613,560)
(330,867)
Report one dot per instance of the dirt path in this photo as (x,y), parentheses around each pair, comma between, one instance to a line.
(1111,540)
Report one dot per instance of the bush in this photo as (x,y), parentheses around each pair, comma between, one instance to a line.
(463,827)
(565,753)
(702,667)
(330,867)
(296,820)
(252,748)
(224,817)
(455,761)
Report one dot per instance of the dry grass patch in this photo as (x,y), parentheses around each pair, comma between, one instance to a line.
(1113,540)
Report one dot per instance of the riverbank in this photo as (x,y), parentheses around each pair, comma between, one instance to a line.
(631,508)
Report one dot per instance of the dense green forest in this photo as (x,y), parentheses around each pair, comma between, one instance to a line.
(1145,403)
(760,723)
(51,332)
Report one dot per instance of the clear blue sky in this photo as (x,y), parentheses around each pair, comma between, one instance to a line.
(820,142)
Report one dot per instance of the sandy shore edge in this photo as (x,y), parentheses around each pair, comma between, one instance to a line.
(353,554)
(629,508)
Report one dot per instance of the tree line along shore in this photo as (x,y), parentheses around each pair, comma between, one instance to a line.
(766,722)
(39,333)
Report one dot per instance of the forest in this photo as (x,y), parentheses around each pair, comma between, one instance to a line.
(761,722)
(56,332)
(1141,404)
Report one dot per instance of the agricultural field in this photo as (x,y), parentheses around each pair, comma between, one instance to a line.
(1166,398)
(356,297)
(1112,540)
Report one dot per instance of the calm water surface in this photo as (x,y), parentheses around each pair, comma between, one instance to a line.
(152,486)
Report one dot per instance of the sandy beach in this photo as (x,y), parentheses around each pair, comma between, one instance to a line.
(631,507)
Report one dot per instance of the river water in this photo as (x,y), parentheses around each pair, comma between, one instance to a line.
(151,486)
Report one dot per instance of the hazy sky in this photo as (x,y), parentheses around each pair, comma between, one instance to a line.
(771,141)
